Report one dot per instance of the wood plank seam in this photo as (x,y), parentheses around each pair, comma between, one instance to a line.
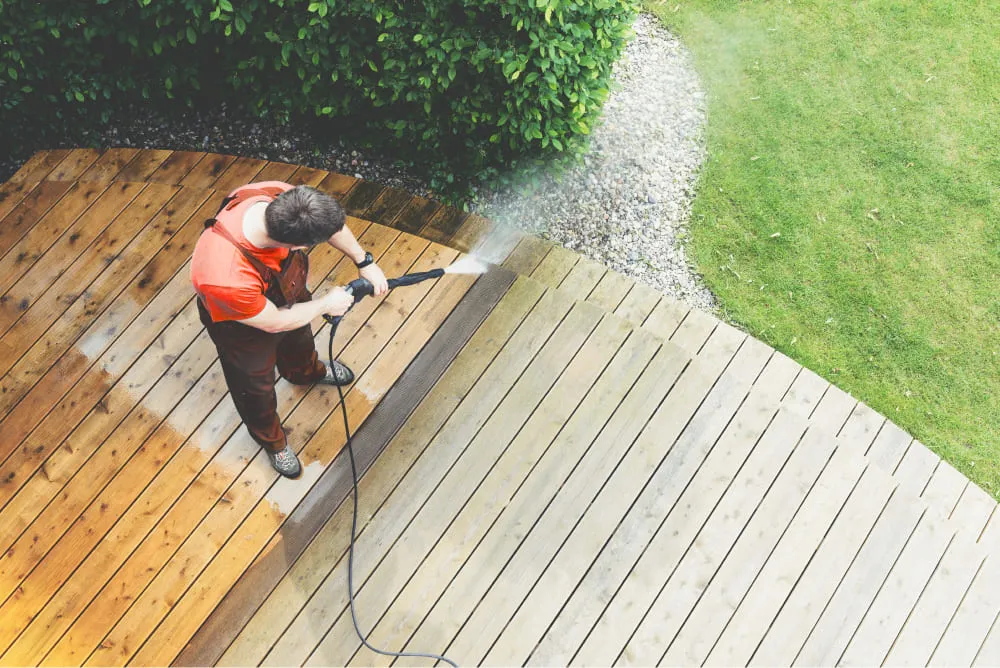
(436,410)
(347,330)
(121,327)
(806,569)
(275,476)
(532,333)
(701,392)
(345,263)
(362,539)
(179,357)
(895,491)
(411,389)
(566,396)
(7,327)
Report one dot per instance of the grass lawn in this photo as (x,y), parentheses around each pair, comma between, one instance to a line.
(848,211)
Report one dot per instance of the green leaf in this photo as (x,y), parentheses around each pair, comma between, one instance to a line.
(417,37)
(78,95)
(241,25)
(225,5)
(192,37)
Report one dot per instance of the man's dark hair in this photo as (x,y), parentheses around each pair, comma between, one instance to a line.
(303,216)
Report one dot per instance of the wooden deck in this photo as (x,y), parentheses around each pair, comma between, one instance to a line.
(560,466)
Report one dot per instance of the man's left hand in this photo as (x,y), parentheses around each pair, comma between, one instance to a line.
(375,276)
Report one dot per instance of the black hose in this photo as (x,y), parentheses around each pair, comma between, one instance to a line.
(354,477)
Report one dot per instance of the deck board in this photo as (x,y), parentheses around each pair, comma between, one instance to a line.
(579,470)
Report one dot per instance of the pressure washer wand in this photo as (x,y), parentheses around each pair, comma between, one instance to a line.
(360,288)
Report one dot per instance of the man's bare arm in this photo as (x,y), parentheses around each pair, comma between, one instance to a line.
(273,319)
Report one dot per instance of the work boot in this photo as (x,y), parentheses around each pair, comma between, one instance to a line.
(337,374)
(285,462)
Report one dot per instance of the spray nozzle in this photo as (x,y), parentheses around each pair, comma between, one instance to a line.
(360,288)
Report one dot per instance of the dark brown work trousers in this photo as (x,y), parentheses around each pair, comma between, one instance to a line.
(250,355)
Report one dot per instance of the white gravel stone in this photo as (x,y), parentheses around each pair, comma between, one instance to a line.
(627,203)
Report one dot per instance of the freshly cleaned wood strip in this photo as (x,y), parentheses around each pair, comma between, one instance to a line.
(222,468)
(239,172)
(170,483)
(184,567)
(308,573)
(207,171)
(254,586)
(275,171)
(428,312)
(98,361)
(338,185)
(60,612)
(307,176)
(87,225)
(57,408)
(39,239)
(38,166)
(12,193)
(88,286)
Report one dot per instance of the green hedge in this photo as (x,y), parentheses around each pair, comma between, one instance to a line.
(467,87)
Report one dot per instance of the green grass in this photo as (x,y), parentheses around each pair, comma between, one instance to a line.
(847,213)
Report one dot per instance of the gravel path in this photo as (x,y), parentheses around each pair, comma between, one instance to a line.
(626,206)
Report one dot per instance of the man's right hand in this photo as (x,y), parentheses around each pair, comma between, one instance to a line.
(336,302)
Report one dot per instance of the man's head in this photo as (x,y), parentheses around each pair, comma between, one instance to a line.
(303,216)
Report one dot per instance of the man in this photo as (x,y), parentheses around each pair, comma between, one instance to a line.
(249,269)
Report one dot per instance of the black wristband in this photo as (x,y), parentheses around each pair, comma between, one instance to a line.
(369,259)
